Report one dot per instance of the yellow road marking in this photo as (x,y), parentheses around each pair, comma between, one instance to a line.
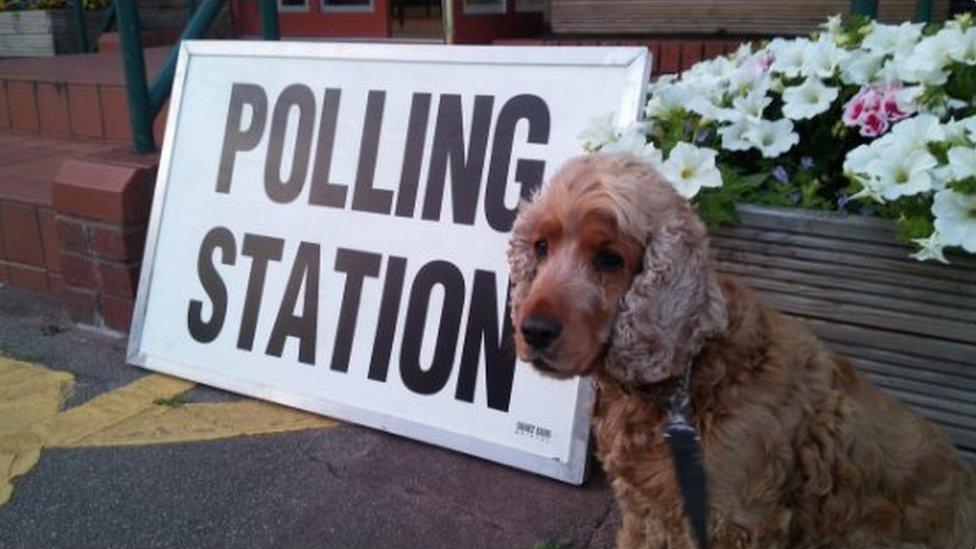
(31,397)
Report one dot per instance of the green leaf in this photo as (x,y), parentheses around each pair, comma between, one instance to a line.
(964,186)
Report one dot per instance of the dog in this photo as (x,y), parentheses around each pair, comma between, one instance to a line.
(612,278)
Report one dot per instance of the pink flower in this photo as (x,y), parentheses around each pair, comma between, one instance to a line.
(765,60)
(856,107)
(892,108)
(873,110)
(873,124)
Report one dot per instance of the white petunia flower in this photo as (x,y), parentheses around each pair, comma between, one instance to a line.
(752,105)
(808,99)
(635,144)
(928,61)
(941,177)
(931,248)
(903,170)
(823,58)
(772,138)
(961,132)
(832,25)
(955,219)
(790,55)
(599,131)
(860,67)
(871,187)
(859,158)
(667,99)
(744,50)
(966,53)
(962,162)
(920,130)
(689,168)
(892,39)
(733,135)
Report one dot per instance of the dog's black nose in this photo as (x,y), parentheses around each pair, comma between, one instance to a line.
(540,331)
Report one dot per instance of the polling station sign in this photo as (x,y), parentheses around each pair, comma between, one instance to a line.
(329,230)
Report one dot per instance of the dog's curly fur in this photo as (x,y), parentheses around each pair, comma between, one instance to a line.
(799,449)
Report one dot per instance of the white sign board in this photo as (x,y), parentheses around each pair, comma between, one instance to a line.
(329,230)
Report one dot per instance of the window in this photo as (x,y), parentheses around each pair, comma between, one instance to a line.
(293,5)
(347,5)
(484,6)
(531,5)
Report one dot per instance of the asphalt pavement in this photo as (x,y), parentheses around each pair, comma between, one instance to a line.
(343,486)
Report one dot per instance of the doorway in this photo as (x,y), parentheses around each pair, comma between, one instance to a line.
(421,20)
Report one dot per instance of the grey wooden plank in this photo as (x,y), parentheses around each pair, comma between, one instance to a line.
(26,45)
(902,343)
(960,438)
(882,377)
(850,347)
(783,237)
(843,271)
(845,313)
(945,413)
(938,380)
(855,230)
(921,308)
(955,280)
(949,305)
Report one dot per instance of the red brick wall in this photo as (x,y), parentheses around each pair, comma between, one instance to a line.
(670,55)
(102,205)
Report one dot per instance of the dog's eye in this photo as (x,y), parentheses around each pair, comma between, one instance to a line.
(541,248)
(607,260)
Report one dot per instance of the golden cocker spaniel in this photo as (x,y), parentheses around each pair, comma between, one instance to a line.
(612,279)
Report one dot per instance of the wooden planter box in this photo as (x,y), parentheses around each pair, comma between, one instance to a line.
(43,33)
(749,17)
(910,326)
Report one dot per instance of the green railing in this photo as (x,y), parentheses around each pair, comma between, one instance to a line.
(145,100)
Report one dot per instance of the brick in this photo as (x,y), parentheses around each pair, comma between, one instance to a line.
(86,110)
(82,304)
(52,105)
(670,57)
(115,113)
(119,279)
(4,109)
(116,312)
(27,277)
(691,53)
(654,46)
(21,233)
(118,244)
(714,48)
(159,125)
(23,105)
(95,189)
(79,270)
(109,41)
(49,237)
(71,235)
(55,284)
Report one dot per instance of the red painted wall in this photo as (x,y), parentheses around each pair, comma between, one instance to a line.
(315,22)
(484,28)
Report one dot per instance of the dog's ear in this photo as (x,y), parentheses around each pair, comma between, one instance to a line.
(673,305)
(521,259)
